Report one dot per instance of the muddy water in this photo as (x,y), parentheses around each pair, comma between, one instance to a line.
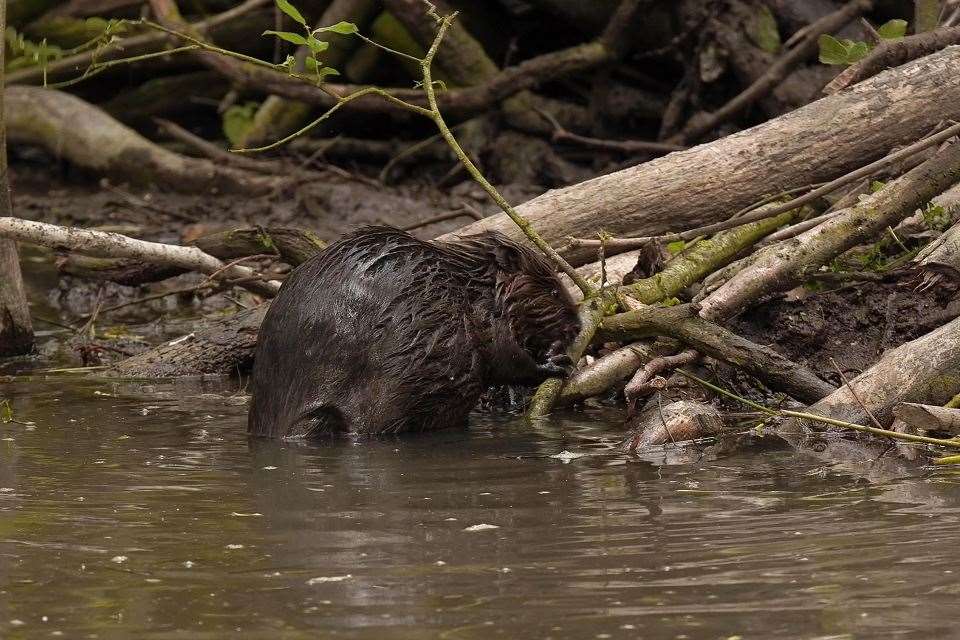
(144,512)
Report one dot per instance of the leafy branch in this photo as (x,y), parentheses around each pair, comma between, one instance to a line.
(318,74)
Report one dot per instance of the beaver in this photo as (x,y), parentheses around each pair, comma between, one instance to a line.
(384,333)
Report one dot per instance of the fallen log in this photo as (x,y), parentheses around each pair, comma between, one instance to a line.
(816,143)
(290,245)
(224,347)
(50,119)
(99,243)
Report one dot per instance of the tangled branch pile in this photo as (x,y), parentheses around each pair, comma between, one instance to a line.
(791,191)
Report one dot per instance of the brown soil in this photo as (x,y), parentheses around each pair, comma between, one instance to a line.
(853,324)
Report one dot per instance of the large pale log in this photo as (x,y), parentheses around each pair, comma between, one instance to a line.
(708,183)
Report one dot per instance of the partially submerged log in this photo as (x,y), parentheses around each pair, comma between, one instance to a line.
(705,184)
(224,347)
(674,422)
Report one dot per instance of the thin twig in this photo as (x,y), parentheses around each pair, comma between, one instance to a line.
(520,221)
(443,217)
(156,296)
(856,396)
(560,134)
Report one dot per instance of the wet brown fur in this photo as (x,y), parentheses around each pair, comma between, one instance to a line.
(385,333)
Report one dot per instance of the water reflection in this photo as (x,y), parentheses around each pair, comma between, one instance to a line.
(144,511)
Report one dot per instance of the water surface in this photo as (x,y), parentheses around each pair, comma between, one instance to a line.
(143,511)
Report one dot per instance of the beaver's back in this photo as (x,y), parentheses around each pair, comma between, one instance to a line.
(375,334)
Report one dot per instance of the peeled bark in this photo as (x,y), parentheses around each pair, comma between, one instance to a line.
(675,422)
(705,184)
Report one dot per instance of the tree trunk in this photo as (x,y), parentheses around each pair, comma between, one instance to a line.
(16,333)
(708,183)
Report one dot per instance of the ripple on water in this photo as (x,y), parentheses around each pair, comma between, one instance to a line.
(493,531)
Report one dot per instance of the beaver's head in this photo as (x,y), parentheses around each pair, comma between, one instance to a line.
(528,293)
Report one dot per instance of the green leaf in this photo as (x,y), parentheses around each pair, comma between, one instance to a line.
(857,51)
(290,10)
(317,46)
(893,30)
(328,71)
(763,30)
(343,28)
(237,121)
(294,38)
(321,72)
(832,51)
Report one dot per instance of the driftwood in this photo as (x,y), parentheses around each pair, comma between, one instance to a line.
(224,347)
(816,143)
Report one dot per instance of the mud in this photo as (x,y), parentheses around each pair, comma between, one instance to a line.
(853,324)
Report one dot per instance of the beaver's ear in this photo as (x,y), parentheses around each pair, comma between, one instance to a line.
(508,257)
